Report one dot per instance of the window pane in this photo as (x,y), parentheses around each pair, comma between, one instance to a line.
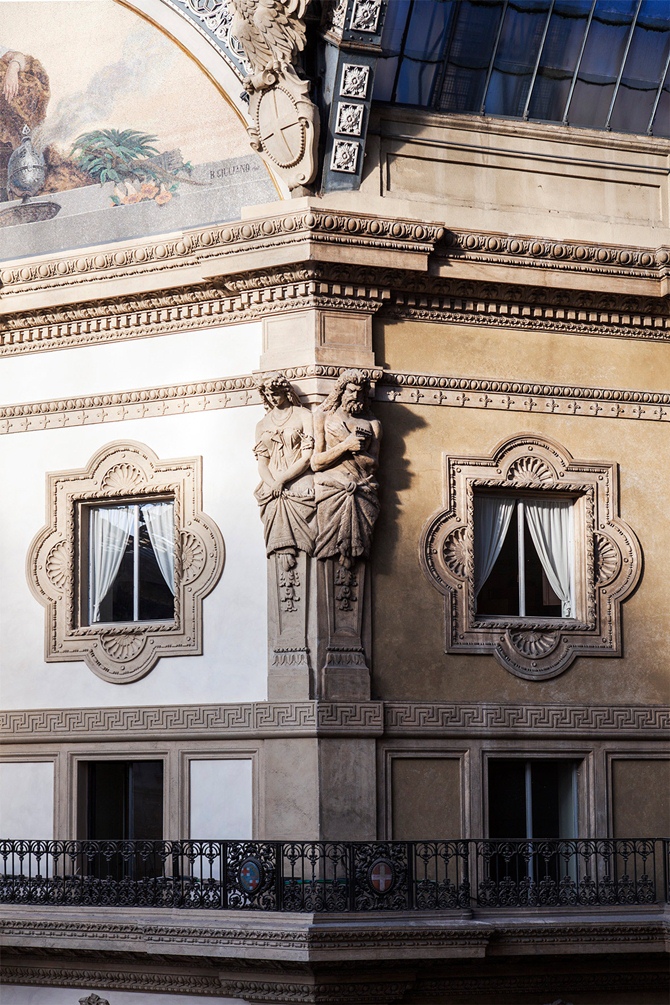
(507,798)
(470,53)
(603,55)
(156,564)
(520,39)
(643,69)
(500,592)
(558,61)
(117,598)
(541,601)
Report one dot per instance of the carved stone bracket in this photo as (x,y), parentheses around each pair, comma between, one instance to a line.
(607,557)
(122,472)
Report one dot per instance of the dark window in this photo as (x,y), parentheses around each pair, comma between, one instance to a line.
(602,64)
(512,577)
(532,799)
(118,801)
(131,562)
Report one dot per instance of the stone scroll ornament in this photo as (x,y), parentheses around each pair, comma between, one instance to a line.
(345,460)
(285,123)
(284,447)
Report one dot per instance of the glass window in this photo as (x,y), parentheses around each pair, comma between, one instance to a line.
(524,556)
(532,798)
(592,63)
(645,65)
(131,562)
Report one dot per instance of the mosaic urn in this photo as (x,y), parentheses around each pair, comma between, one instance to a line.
(26,170)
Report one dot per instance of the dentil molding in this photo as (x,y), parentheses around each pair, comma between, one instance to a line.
(122,472)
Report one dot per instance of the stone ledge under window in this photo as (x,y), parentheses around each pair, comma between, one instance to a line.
(120,472)
(607,553)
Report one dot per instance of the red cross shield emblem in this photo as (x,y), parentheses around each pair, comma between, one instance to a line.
(251,875)
(381,875)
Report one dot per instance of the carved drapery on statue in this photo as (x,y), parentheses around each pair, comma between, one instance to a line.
(345,462)
(285,123)
(284,445)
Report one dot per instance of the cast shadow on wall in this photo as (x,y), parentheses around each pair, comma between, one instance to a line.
(395,477)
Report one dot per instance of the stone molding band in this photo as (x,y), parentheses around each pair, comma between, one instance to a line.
(405,388)
(311,718)
(187,310)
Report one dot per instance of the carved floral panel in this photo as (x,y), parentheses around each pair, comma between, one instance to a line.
(123,472)
(607,557)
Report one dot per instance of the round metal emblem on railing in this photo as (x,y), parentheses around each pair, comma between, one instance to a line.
(381,875)
(250,877)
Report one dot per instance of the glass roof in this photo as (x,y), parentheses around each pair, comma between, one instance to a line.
(601,64)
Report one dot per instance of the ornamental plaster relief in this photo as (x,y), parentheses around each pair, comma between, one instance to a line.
(263,294)
(311,718)
(405,388)
(125,652)
(607,557)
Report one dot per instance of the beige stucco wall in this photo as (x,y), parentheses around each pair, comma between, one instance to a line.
(413,664)
(425,797)
(640,796)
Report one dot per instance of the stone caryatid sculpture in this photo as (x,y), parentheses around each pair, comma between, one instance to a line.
(284,447)
(345,460)
(285,122)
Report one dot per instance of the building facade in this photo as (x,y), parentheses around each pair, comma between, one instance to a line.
(335,645)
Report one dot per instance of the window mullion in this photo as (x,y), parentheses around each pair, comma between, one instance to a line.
(537,61)
(650,127)
(136,565)
(623,65)
(489,72)
(521,546)
(579,63)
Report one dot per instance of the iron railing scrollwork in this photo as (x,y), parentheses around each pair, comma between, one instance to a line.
(338,876)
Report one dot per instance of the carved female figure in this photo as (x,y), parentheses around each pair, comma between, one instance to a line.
(284,446)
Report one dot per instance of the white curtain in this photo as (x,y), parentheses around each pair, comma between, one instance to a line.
(550,525)
(109,531)
(492,518)
(160,523)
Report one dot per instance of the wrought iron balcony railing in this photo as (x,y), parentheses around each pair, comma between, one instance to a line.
(337,876)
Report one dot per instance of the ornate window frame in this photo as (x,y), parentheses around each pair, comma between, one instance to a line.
(608,557)
(123,471)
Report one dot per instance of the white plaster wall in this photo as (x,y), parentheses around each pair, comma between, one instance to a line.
(234,664)
(27,800)
(180,357)
(15,994)
(221,798)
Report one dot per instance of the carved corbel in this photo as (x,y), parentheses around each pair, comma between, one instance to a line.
(285,122)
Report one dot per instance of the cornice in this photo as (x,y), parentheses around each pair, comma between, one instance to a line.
(242,297)
(405,388)
(311,718)
(306,232)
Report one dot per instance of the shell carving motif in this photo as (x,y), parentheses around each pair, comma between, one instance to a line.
(607,559)
(454,552)
(56,566)
(192,557)
(123,479)
(530,471)
(122,647)
(534,644)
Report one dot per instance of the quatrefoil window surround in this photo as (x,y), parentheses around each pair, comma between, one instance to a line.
(123,475)
(605,556)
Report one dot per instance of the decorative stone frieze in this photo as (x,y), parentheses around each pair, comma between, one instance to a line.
(120,472)
(533,647)
(341,718)
(405,388)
